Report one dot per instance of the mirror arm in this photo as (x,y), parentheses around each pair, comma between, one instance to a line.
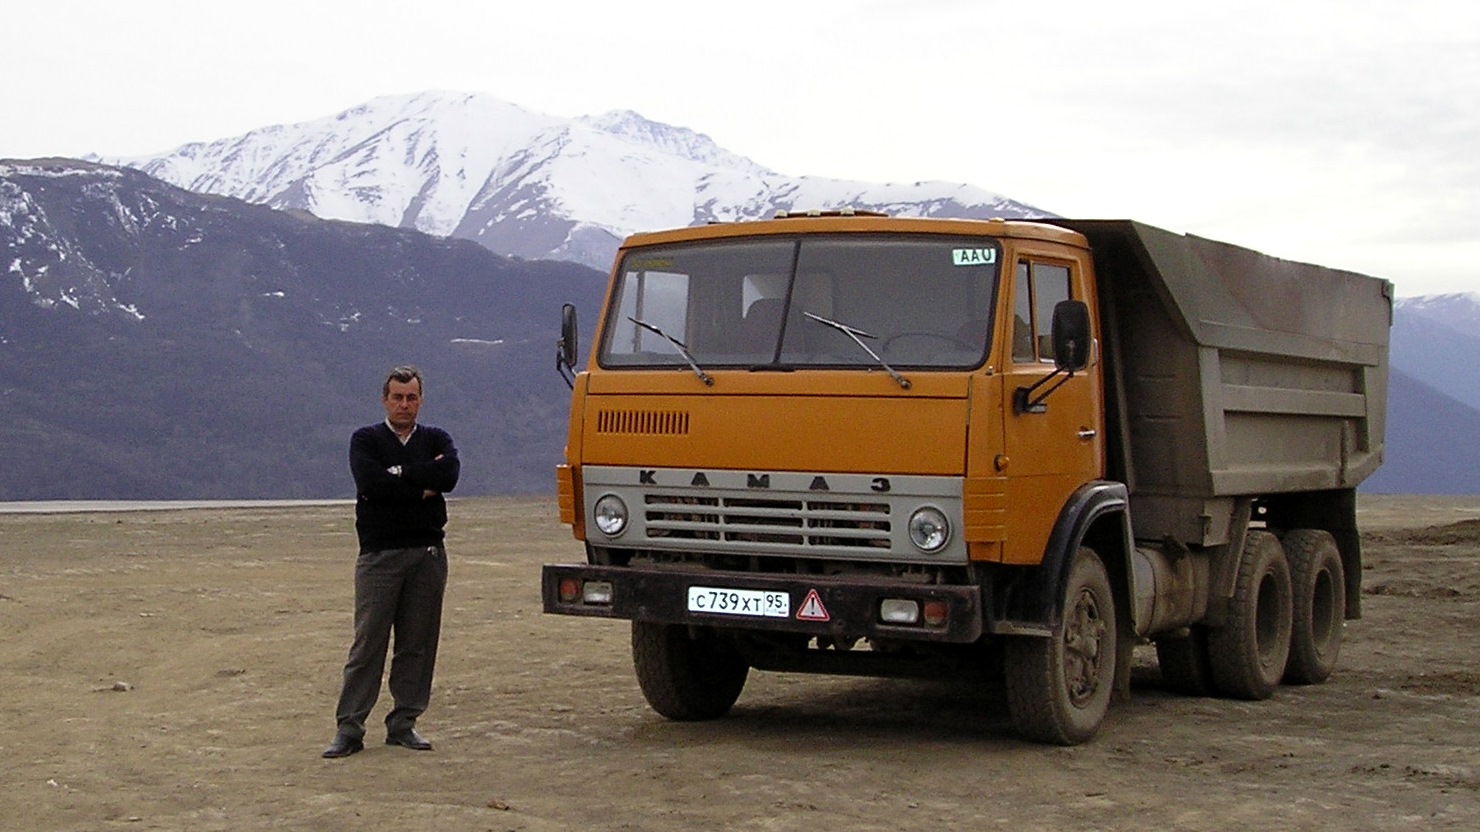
(1023,400)
(566,371)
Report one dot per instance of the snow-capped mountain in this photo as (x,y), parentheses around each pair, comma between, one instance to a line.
(1433,397)
(1434,338)
(156,339)
(1459,310)
(524,183)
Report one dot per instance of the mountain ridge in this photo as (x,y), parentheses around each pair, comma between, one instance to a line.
(1433,337)
(109,290)
(523,183)
(147,330)
(162,344)
(1420,455)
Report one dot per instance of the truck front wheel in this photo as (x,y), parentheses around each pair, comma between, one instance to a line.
(1319,604)
(1058,688)
(1248,653)
(686,673)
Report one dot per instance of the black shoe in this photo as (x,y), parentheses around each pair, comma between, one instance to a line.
(409,739)
(343,746)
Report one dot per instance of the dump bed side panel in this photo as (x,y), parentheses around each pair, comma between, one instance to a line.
(1234,373)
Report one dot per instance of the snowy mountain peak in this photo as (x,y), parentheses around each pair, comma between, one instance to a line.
(1457,310)
(524,183)
(1448,299)
(679,141)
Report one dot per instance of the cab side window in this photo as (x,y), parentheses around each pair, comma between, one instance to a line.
(1038,288)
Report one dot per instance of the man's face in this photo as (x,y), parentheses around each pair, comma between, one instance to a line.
(402,402)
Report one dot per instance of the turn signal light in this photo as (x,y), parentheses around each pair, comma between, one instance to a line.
(935,613)
(570,590)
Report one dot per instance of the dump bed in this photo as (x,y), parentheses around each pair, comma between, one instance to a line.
(1231,373)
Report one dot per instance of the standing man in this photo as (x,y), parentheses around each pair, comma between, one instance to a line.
(401,471)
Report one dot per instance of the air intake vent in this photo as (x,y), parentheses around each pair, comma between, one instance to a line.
(643,422)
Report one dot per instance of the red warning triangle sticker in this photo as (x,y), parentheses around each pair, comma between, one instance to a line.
(812,609)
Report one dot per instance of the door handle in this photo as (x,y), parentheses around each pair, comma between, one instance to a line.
(1087,433)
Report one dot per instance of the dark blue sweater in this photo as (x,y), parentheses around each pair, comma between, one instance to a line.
(391,512)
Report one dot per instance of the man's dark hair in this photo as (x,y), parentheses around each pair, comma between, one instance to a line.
(404,374)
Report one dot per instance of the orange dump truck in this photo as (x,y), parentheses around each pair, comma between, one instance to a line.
(856,444)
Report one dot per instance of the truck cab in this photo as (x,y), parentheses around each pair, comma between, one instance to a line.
(887,349)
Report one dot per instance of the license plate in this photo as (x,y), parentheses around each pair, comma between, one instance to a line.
(719,601)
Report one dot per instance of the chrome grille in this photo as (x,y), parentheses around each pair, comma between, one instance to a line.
(748,519)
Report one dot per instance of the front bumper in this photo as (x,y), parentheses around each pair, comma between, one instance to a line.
(849,607)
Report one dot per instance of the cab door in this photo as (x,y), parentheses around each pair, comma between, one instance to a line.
(1053,448)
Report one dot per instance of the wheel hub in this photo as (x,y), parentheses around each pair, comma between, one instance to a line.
(1084,631)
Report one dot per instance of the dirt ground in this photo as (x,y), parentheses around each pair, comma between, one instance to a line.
(178,669)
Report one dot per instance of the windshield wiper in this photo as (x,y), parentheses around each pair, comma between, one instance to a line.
(858,335)
(687,356)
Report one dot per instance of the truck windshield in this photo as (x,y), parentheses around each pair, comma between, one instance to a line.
(918,301)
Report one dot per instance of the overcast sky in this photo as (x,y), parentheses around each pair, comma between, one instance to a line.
(1341,132)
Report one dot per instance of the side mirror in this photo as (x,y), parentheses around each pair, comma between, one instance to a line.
(569,335)
(1071,335)
(568,345)
(1071,352)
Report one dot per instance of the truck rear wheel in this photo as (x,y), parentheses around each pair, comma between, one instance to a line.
(1058,688)
(1184,662)
(1318,583)
(686,673)
(1248,653)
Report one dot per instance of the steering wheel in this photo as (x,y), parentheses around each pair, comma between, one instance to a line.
(953,341)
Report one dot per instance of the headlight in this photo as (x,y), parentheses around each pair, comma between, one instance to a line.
(930,531)
(610,515)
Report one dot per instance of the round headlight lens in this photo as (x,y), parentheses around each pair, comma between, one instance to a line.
(610,515)
(930,531)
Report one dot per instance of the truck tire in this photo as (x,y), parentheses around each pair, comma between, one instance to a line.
(1058,688)
(1184,663)
(1318,584)
(1248,653)
(686,674)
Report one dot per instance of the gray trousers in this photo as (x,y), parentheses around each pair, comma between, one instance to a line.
(396,591)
